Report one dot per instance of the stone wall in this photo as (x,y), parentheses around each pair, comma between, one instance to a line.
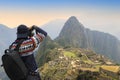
(109,73)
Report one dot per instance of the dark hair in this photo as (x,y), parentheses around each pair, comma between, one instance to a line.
(22,31)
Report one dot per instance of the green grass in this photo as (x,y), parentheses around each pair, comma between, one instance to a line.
(69,54)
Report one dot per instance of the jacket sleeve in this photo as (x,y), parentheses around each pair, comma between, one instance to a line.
(38,37)
(38,30)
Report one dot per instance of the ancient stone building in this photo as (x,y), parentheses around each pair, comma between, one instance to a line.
(113,71)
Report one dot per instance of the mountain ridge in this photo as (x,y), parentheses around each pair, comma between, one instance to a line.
(7,36)
(53,27)
(76,35)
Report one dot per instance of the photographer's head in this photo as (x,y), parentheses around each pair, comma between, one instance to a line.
(22,31)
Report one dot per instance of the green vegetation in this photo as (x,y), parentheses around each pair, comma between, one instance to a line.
(71,64)
(69,54)
(68,63)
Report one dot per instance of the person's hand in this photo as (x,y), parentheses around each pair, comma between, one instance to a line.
(39,30)
(33,27)
(30,34)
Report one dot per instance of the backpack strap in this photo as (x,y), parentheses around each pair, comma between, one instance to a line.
(18,45)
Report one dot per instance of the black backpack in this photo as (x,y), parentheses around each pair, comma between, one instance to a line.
(13,64)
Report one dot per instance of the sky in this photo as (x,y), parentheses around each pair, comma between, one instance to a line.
(102,15)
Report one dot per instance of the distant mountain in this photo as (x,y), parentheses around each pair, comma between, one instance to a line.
(76,35)
(3,76)
(7,34)
(6,37)
(54,27)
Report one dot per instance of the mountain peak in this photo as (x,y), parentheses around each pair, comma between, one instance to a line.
(71,31)
(71,24)
(73,20)
(2,26)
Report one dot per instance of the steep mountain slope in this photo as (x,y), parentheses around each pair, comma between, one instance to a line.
(73,34)
(46,46)
(53,27)
(6,37)
(76,35)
